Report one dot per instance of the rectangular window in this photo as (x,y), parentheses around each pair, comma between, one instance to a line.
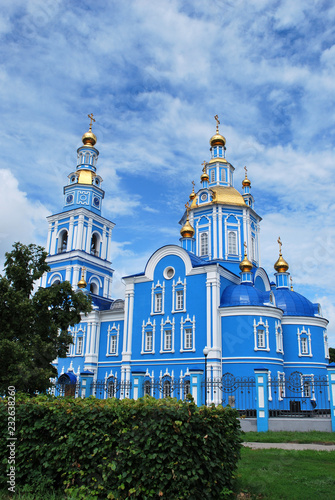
(307,389)
(112,344)
(158,302)
(180,299)
(232,243)
(168,340)
(204,244)
(304,346)
(213,175)
(188,338)
(80,345)
(260,339)
(148,341)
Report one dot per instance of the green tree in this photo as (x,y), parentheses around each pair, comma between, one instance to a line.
(33,326)
(331,354)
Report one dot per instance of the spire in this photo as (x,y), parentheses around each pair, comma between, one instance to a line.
(217,139)
(187,231)
(204,176)
(281,266)
(89,139)
(245,266)
(82,283)
(246,182)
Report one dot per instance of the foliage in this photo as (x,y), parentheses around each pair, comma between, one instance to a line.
(281,474)
(124,448)
(331,354)
(33,326)
(290,437)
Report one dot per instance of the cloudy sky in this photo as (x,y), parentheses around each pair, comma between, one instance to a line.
(154,73)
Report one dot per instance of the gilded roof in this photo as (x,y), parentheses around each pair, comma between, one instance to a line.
(226,196)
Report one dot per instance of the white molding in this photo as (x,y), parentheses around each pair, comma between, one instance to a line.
(270,311)
(305,320)
(265,278)
(163,252)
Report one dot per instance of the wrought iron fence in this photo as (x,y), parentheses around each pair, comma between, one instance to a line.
(102,389)
(299,396)
(165,387)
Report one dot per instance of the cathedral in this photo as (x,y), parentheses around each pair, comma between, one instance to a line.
(199,313)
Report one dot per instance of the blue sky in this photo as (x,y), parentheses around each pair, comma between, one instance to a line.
(154,74)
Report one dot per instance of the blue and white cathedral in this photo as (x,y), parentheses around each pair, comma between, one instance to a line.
(199,311)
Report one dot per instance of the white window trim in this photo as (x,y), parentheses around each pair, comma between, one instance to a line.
(146,327)
(176,287)
(184,324)
(308,378)
(200,228)
(266,328)
(167,325)
(232,227)
(234,232)
(80,343)
(113,331)
(309,342)
(158,288)
(76,332)
(326,346)
(279,338)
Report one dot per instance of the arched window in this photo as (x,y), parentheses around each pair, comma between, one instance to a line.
(94,288)
(166,389)
(147,387)
(87,158)
(95,245)
(187,388)
(62,241)
(232,243)
(111,388)
(213,175)
(204,244)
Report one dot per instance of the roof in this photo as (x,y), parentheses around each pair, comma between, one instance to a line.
(243,295)
(226,196)
(294,304)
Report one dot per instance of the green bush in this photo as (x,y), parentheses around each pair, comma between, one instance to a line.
(123,448)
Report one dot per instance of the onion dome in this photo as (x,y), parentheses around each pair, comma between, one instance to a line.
(217,139)
(187,231)
(82,283)
(89,139)
(204,176)
(281,266)
(246,265)
(246,181)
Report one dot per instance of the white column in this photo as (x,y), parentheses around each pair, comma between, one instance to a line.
(49,239)
(89,235)
(220,242)
(104,243)
(53,239)
(215,237)
(208,311)
(79,243)
(130,324)
(70,235)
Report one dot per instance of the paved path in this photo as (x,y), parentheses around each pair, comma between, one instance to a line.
(291,446)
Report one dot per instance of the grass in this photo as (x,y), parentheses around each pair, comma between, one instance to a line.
(290,437)
(281,475)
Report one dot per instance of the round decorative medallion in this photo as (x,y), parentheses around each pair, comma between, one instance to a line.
(96,202)
(203,197)
(168,273)
(69,198)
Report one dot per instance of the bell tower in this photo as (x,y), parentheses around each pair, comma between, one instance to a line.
(79,238)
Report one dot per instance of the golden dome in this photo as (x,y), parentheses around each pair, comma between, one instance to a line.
(246,181)
(187,230)
(82,283)
(89,139)
(281,266)
(204,177)
(216,160)
(226,196)
(194,202)
(245,265)
(217,140)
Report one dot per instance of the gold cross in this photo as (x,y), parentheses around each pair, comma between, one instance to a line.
(245,248)
(216,118)
(280,245)
(204,163)
(246,171)
(193,184)
(92,119)
(83,269)
(187,206)
(291,280)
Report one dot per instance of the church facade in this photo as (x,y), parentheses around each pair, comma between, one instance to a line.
(199,314)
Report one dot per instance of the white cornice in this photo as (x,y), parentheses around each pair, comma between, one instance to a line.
(62,258)
(272,312)
(80,211)
(305,320)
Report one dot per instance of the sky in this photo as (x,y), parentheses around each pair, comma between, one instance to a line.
(154,74)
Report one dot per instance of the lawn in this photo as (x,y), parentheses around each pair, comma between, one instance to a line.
(278,474)
(290,437)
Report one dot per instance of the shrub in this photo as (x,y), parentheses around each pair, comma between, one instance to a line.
(123,448)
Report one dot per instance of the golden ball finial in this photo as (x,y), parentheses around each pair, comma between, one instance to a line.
(246,266)
(187,231)
(192,195)
(89,139)
(281,266)
(246,181)
(82,283)
(217,139)
(204,176)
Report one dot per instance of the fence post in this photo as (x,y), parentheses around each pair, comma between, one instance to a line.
(86,383)
(331,378)
(138,389)
(262,404)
